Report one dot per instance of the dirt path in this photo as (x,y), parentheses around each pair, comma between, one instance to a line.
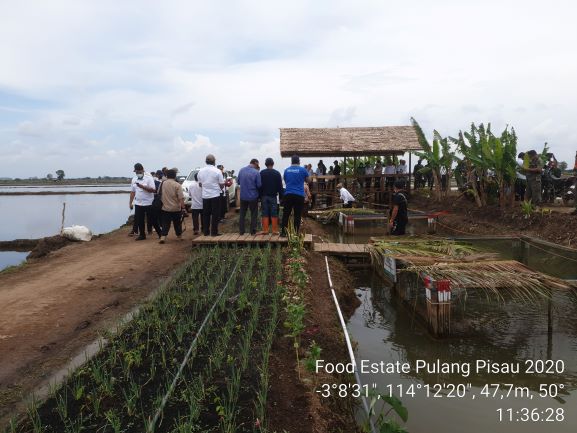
(53,307)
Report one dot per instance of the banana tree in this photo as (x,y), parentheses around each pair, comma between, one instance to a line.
(477,150)
(505,162)
(432,153)
(470,173)
(489,159)
(446,161)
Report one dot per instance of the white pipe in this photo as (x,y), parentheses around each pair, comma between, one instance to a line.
(350,348)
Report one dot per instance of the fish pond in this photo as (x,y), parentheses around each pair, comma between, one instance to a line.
(499,334)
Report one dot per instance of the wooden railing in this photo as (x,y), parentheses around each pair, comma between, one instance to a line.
(376,189)
(374,183)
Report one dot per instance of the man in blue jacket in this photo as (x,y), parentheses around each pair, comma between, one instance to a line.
(295,177)
(271,181)
(250,183)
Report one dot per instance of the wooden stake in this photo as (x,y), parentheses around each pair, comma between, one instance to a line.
(63,213)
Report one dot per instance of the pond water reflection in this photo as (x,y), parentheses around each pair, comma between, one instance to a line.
(64,188)
(36,216)
(11,258)
(386,330)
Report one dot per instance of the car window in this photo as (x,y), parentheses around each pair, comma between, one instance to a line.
(191,175)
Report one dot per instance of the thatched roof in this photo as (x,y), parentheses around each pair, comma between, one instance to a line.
(495,276)
(348,141)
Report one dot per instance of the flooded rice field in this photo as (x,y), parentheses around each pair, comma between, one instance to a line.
(64,188)
(36,216)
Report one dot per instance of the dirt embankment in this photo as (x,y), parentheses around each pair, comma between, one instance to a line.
(294,407)
(556,225)
(22,245)
(54,306)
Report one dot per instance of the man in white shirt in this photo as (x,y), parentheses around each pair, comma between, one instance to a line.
(369,171)
(141,196)
(346,196)
(211,181)
(390,171)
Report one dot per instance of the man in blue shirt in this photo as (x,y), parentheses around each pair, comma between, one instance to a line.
(295,177)
(250,183)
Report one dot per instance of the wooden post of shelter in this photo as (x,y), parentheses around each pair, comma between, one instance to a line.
(410,175)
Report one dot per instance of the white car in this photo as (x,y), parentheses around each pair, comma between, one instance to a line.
(230,181)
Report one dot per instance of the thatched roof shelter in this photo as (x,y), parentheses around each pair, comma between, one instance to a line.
(377,141)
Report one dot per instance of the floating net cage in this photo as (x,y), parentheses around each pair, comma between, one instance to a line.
(445,282)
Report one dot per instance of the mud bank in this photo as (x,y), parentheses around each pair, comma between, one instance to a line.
(20,245)
(293,394)
(465,218)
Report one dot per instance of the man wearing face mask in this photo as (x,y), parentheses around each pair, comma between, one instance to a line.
(141,197)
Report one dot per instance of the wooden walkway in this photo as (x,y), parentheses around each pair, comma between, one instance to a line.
(235,238)
(337,249)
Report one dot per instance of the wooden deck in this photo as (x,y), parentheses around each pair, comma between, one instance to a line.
(337,249)
(235,238)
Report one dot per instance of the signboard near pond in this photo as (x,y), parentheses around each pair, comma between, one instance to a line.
(390,267)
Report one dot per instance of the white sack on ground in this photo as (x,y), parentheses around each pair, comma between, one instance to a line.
(77,233)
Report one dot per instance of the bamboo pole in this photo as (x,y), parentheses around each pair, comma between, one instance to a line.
(63,214)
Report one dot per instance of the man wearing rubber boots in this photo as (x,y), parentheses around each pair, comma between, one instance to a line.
(271,193)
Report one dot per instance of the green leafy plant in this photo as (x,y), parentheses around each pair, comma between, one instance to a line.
(384,423)
(313,355)
(294,322)
(527,208)
(113,421)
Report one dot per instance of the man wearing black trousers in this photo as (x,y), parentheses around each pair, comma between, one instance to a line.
(295,177)
(223,195)
(141,196)
(211,181)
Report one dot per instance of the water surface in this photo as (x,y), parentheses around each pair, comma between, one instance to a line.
(36,216)
(386,330)
(65,188)
(12,258)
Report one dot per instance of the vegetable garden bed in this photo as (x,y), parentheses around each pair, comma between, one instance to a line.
(138,382)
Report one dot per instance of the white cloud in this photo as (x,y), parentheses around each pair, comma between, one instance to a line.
(121,80)
(342,116)
(187,146)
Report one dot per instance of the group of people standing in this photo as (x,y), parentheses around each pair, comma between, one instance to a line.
(158,199)
(267,186)
(209,197)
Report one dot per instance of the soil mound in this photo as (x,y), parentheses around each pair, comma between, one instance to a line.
(48,244)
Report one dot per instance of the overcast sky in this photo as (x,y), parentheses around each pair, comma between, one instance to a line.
(91,87)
